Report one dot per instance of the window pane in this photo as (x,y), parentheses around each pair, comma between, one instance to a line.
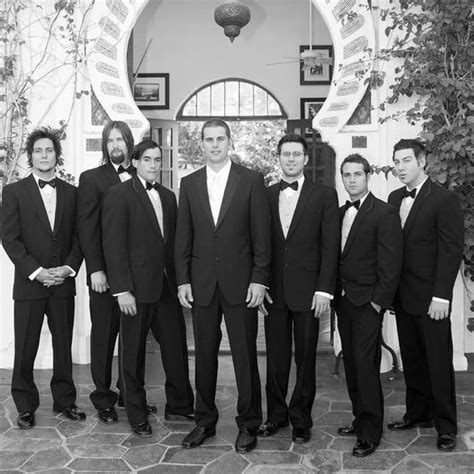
(218,99)
(204,102)
(273,107)
(246,99)
(190,107)
(260,101)
(231,98)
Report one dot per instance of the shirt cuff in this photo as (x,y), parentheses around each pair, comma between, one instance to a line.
(73,273)
(121,293)
(322,293)
(259,284)
(440,300)
(35,273)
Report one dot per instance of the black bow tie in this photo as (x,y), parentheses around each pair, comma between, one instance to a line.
(411,193)
(128,170)
(151,186)
(356,204)
(284,185)
(51,182)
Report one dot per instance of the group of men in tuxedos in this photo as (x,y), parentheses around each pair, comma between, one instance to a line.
(232,248)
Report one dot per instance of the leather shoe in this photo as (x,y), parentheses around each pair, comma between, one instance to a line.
(364,448)
(26,420)
(301,435)
(142,429)
(197,436)
(108,415)
(347,430)
(175,417)
(72,413)
(269,428)
(404,424)
(246,440)
(446,442)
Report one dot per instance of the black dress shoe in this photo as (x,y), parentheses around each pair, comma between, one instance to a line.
(404,424)
(347,430)
(108,415)
(26,420)
(246,440)
(175,417)
(73,413)
(446,442)
(301,435)
(364,448)
(269,428)
(142,429)
(197,436)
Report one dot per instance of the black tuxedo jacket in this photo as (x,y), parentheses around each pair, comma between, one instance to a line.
(30,242)
(433,238)
(233,253)
(92,186)
(369,266)
(137,253)
(306,260)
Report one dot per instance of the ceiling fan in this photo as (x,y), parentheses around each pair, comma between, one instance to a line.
(310,56)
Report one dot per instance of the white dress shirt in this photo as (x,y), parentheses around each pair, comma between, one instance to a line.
(124,176)
(348,220)
(216,183)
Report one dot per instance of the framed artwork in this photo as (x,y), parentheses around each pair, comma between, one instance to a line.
(309,107)
(319,73)
(152,91)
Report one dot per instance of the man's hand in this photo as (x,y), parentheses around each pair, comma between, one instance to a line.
(261,307)
(185,295)
(320,304)
(47,278)
(99,281)
(376,306)
(61,272)
(438,310)
(127,303)
(255,295)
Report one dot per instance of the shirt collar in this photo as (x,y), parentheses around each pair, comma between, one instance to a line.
(222,173)
(37,178)
(143,181)
(417,187)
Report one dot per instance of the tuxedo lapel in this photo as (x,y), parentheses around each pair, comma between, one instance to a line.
(60,196)
(166,214)
(146,203)
(306,191)
(201,190)
(425,191)
(111,174)
(360,216)
(275,208)
(37,200)
(231,187)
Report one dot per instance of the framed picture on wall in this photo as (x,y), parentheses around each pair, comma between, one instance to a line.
(152,91)
(309,107)
(320,66)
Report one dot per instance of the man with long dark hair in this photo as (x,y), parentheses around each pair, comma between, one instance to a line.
(40,237)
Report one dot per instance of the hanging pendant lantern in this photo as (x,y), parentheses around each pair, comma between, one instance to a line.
(232,16)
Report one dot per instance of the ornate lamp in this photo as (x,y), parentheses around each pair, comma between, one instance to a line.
(232,16)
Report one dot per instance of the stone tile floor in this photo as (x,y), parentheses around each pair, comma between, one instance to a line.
(57,445)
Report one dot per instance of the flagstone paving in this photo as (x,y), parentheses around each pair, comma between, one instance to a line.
(57,445)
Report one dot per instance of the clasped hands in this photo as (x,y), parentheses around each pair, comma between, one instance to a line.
(53,276)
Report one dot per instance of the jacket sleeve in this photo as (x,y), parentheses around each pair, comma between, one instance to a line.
(115,242)
(260,231)
(329,244)
(89,204)
(450,226)
(389,257)
(25,263)
(184,237)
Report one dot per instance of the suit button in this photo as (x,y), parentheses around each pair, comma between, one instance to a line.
(285,265)
(285,248)
(54,239)
(218,259)
(216,236)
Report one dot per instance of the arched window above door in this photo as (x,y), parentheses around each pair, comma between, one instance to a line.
(232,99)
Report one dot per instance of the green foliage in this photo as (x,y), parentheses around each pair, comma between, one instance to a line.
(431,40)
(255,144)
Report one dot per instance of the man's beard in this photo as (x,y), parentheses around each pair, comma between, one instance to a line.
(117,157)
